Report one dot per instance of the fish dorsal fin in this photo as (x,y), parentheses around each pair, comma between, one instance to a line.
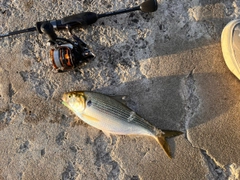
(120,98)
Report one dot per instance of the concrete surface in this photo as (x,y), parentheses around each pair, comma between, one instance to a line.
(170,65)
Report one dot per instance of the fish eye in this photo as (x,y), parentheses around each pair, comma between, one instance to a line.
(89,103)
(69,95)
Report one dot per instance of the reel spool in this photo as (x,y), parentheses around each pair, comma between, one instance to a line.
(62,58)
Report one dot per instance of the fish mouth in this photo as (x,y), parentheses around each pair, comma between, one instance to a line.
(64,103)
(64,100)
(67,105)
(64,97)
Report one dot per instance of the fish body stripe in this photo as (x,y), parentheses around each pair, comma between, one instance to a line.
(118,111)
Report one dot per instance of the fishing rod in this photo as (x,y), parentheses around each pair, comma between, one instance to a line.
(69,54)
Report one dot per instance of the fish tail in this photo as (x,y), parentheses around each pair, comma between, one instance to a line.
(161,138)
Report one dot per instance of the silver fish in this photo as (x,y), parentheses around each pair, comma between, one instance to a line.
(112,117)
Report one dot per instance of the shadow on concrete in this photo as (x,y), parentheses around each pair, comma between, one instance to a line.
(159,100)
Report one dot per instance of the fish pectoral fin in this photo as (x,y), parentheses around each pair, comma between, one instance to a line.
(89,117)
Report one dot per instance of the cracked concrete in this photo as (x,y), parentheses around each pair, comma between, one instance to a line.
(168,63)
(215,171)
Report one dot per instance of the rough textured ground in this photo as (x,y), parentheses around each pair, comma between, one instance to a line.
(170,65)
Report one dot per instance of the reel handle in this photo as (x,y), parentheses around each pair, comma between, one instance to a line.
(47,28)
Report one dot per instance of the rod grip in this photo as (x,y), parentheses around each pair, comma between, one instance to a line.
(81,19)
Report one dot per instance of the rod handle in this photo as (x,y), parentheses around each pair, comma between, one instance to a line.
(81,19)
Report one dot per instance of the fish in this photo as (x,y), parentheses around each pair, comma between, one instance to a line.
(113,117)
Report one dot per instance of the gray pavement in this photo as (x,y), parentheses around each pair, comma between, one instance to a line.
(168,63)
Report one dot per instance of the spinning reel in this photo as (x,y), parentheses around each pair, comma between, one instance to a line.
(66,54)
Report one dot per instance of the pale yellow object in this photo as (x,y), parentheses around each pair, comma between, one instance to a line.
(228,50)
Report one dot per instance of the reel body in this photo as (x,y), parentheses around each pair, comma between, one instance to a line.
(66,54)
